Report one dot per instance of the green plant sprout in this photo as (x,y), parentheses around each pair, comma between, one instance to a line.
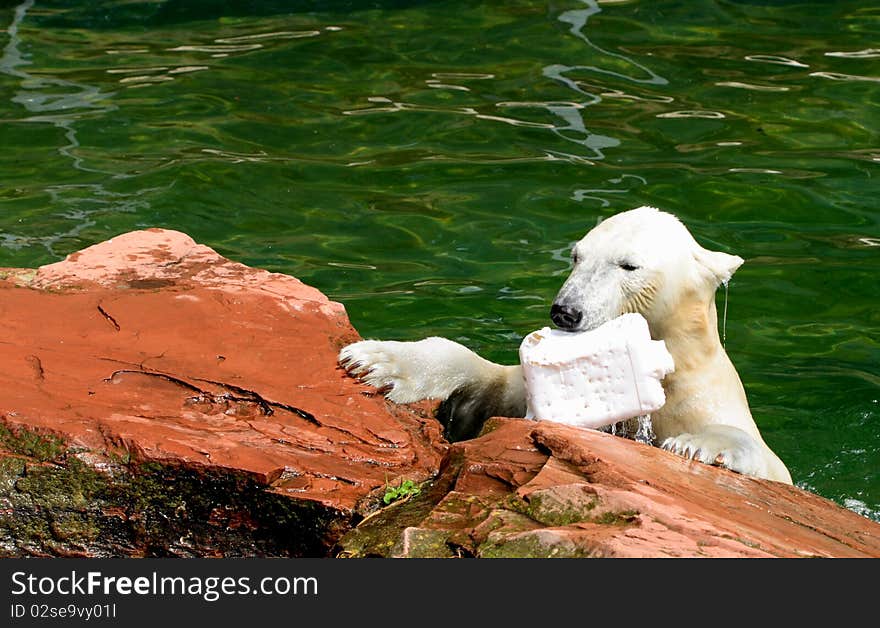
(405,490)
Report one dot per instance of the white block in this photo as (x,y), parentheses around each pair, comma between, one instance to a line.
(595,378)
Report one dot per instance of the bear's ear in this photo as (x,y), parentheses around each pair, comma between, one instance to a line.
(720,266)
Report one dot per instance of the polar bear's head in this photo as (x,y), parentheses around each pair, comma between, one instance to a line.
(642,260)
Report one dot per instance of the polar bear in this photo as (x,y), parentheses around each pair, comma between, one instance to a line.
(642,260)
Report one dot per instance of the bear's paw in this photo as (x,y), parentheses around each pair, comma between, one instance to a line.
(721,445)
(407,372)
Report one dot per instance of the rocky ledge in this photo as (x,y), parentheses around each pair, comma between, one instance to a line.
(158,399)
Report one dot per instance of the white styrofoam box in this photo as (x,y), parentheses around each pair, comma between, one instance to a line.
(594,378)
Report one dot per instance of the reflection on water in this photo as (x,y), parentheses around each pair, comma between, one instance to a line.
(837,76)
(60,103)
(757,88)
(78,204)
(578,21)
(41,94)
(430,164)
(776,60)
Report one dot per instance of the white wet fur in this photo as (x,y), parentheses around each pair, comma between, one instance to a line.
(643,260)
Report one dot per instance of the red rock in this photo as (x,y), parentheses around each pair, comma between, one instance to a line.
(547,489)
(157,348)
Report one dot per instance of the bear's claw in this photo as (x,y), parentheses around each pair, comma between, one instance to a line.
(723,446)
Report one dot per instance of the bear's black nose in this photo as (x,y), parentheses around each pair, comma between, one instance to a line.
(565,318)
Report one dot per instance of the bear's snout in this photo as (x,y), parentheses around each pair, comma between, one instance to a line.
(565,318)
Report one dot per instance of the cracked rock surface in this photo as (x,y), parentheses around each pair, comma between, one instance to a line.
(150,349)
(526,489)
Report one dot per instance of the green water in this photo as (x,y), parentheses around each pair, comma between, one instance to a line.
(429,164)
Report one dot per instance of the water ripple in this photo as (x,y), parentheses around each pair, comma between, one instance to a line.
(66,100)
(776,60)
(868,53)
(693,113)
(264,36)
(142,77)
(578,20)
(476,76)
(836,76)
(753,87)
(387,105)
(595,194)
(80,204)
(223,49)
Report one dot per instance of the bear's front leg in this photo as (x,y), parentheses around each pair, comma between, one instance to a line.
(729,447)
(471,388)
(432,368)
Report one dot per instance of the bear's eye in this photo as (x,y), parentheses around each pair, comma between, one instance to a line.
(627,266)
(574,257)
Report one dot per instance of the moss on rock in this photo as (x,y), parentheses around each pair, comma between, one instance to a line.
(533,544)
(41,447)
(54,503)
